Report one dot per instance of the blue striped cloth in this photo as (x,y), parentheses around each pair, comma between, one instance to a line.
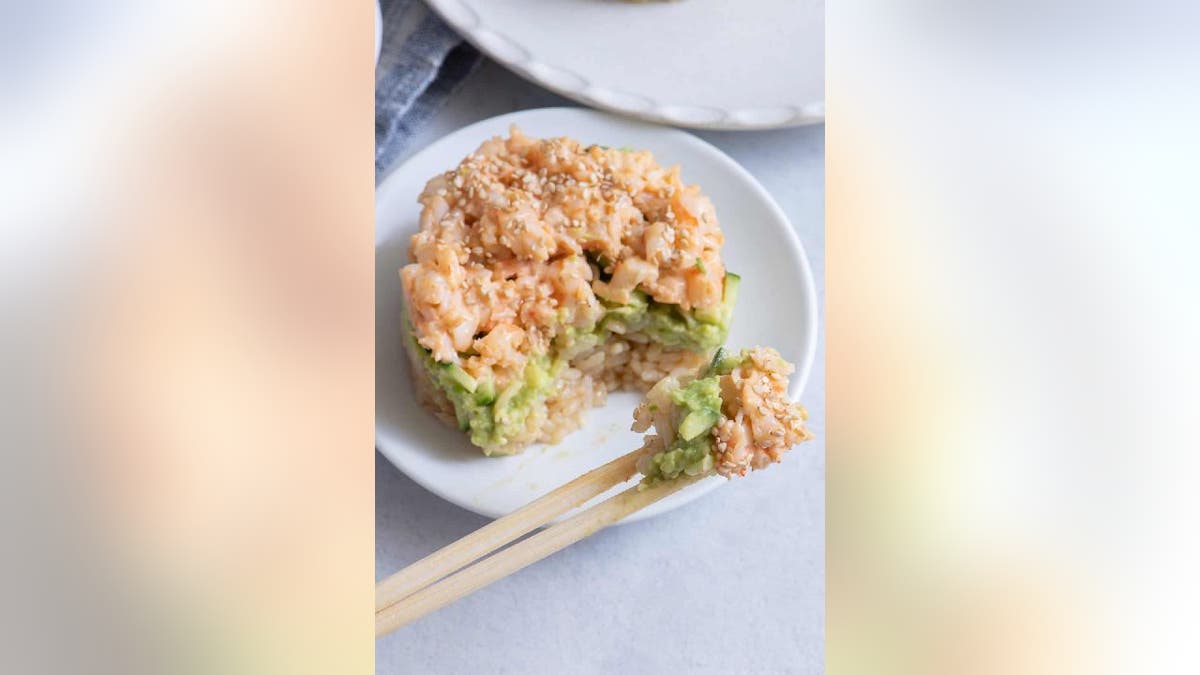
(421,62)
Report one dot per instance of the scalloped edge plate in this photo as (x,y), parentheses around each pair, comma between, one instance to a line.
(679,109)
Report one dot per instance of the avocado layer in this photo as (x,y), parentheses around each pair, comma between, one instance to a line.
(699,408)
(492,418)
(672,326)
(495,417)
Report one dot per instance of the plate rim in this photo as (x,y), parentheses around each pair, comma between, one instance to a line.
(378,31)
(466,23)
(803,369)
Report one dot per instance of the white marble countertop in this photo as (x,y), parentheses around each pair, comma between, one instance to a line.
(731,583)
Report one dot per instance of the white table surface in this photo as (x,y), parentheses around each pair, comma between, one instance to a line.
(732,583)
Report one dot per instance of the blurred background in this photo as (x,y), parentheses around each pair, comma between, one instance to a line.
(186,205)
(1011,325)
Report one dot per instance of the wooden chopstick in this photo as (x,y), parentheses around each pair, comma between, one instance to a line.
(523,553)
(503,530)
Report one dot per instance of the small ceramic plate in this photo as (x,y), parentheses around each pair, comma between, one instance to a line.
(776,307)
(717,64)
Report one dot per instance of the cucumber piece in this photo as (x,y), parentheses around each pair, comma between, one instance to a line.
(730,293)
(721,313)
(485,392)
(697,422)
(726,363)
(723,362)
(460,377)
(717,358)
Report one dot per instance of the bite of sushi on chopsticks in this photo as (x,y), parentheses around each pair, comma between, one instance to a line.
(728,418)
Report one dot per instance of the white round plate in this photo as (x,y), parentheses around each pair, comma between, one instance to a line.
(717,64)
(760,245)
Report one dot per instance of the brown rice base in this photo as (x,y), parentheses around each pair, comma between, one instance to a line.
(630,362)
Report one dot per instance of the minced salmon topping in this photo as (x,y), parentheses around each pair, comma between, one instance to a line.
(758,421)
(526,237)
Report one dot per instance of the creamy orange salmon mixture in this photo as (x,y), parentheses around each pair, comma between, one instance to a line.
(539,257)
(733,417)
